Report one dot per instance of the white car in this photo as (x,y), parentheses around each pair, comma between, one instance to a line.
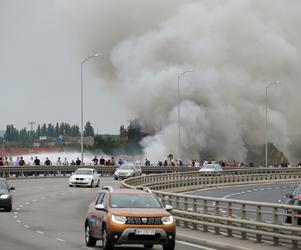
(211,168)
(85,177)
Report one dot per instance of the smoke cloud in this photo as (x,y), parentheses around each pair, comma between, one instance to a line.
(238,48)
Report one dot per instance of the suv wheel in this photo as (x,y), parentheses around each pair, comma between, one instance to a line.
(90,241)
(92,183)
(169,247)
(149,246)
(106,243)
(97,184)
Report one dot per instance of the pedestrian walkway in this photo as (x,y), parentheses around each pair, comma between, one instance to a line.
(222,242)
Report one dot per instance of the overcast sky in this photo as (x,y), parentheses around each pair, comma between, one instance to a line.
(42,43)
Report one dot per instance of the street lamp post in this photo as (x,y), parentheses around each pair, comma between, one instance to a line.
(266,120)
(82,105)
(179,114)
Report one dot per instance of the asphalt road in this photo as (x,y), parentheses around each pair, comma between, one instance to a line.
(48,214)
(271,193)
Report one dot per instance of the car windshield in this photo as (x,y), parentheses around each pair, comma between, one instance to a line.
(83,172)
(134,201)
(3,185)
(128,167)
(211,166)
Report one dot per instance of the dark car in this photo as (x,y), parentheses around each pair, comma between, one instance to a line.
(294,198)
(6,195)
(129,216)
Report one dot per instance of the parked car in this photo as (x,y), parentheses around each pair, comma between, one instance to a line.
(126,170)
(129,216)
(211,168)
(294,198)
(84,177)
(6,196)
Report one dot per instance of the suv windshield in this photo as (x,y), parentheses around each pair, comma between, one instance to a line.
(134,201)
(83,172)
(3,185)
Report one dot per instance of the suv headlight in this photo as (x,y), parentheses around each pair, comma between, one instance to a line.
(167,220)
(4,196)
(118,219)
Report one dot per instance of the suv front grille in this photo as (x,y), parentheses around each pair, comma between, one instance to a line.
(144,220)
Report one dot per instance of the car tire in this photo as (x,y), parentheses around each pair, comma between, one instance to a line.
(90,241)
(148,246)
(9,208)
(92,183)
(106,243)
(169,247)
(70,185)
(97,185)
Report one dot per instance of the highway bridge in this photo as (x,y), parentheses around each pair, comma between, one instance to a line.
(48,214)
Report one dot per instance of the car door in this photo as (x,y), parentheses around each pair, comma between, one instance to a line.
(100,214)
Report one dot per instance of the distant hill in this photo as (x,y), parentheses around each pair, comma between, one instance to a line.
(2,133)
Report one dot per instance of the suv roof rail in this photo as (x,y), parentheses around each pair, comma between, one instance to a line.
(146,189)
(109,188)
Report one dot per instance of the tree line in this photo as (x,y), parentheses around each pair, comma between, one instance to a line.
(23,135)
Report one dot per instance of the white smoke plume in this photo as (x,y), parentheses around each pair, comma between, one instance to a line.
(238,47)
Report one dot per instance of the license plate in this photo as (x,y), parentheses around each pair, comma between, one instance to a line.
(145,232)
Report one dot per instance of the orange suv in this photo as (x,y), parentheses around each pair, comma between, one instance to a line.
(129,216)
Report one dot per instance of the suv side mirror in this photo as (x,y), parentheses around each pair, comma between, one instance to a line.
(168,208)
(100,207)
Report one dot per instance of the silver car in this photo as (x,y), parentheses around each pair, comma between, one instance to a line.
(126,171)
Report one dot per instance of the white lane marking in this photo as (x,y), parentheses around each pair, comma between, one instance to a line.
(18,221)
(249,191)
(242,192)
(262,189)
(17,209)
(21,205)
(269,188)
(59,239)
(39,232)
(15,212)
(43,198)
(26,203)
(237,194)
(194,245)
(16,217)
(255,190)
(26,226)
(34,200)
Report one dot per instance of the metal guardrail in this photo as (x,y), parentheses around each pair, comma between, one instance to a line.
(246,219)
(106,170)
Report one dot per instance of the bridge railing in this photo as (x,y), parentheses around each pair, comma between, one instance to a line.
(65,170)
(276,223)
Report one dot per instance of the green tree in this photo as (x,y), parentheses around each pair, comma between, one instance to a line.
(89,130)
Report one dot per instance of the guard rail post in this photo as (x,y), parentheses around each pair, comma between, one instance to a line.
(243,217)
(194,209)
(185,209)
(295,224)
(217,213)
(258,219)
(177,208)
(229,231)
(276,222)
(205,211)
